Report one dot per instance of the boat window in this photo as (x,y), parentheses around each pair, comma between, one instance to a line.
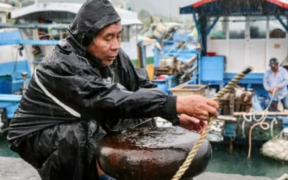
(135,31)
(219,30)
(237,27)
(2,18)
(258,27)
(125,34)
(276,30)
(57,34)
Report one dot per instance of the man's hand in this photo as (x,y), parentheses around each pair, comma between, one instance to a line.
(276,88)
(191,123)
(271,91)
(197,106)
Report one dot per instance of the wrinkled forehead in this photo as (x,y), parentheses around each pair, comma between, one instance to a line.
(114,29)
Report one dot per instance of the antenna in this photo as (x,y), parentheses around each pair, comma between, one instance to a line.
(124,3)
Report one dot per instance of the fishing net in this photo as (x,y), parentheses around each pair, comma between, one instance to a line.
(277,148)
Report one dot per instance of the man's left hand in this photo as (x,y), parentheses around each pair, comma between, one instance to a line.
(191,123)
(276,88)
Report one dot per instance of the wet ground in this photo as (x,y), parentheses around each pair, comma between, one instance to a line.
(222,162)
(16,169)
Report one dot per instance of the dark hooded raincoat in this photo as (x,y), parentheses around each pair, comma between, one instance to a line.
(72,102)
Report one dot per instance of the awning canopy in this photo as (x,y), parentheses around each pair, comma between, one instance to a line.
(237,7)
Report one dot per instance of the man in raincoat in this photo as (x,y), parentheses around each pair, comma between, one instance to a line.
(87,87)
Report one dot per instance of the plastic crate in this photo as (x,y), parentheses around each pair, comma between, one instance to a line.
(212,69)
(188,89)
(165,83)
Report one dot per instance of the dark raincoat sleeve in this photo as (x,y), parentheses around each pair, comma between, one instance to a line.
(138,77)
(142,81)
(86,93)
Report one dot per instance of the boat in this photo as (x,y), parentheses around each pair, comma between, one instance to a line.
(227,43)
(232,36)
(9,67)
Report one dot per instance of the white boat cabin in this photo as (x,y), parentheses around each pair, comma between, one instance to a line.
(245,32)
(248,41)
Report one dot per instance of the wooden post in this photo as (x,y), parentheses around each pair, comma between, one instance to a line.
(139,56)
(232,101)
(226,118)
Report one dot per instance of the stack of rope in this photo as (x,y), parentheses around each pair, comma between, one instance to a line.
(260,122)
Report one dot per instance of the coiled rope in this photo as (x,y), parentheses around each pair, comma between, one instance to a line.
(263,125)
(204,133)
(253,116)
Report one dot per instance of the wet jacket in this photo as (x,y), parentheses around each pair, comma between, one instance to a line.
(72,98)
(76,79)
(79,84)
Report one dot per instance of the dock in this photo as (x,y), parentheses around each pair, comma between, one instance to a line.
(17,169)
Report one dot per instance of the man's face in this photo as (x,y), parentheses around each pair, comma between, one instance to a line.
(275,67)
(106,44)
